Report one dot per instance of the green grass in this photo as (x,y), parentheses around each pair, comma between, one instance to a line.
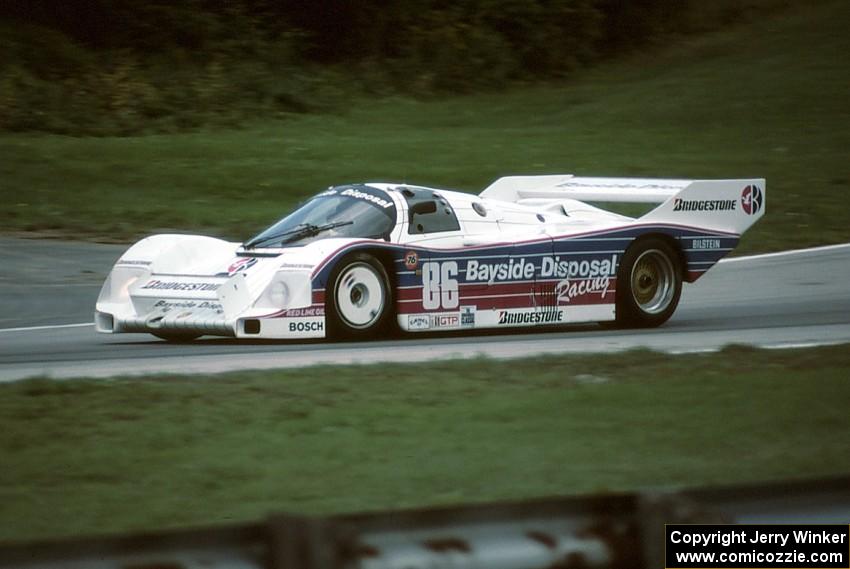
(96,456)
(769,98)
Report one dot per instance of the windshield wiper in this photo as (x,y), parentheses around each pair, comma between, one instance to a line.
(260,239)
(310,230)
(298,232)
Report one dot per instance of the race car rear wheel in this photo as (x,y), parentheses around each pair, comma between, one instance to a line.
(649,283)
(360,299)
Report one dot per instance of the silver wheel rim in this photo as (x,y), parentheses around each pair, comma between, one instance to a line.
(653,281)
(359,295)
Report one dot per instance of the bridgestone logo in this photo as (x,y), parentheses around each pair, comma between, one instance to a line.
(704,205)
(531,317)
(174,285)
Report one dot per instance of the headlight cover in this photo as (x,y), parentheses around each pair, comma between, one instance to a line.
(287,290)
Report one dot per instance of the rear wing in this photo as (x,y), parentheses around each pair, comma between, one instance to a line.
(723,205)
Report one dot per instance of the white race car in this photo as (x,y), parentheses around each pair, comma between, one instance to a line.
(358,259)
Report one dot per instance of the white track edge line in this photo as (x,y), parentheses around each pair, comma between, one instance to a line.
(787,253)
(47,327)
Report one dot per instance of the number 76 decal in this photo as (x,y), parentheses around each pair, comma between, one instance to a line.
(439,285)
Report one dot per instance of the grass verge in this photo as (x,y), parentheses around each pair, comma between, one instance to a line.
(96,456)
(765,99)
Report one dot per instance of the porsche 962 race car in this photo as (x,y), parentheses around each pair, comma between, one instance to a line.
(358,259)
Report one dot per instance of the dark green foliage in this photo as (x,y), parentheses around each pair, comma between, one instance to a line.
(123,66)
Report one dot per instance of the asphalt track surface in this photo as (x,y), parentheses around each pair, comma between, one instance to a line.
(48,290)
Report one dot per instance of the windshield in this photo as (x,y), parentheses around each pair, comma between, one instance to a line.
(345,211)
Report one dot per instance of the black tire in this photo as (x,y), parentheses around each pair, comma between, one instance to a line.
(649,284)
(359,300)
(177,337)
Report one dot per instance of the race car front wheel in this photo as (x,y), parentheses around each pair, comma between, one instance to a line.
(359,304)
(649,283)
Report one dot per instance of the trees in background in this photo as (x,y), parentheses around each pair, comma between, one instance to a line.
(123,66)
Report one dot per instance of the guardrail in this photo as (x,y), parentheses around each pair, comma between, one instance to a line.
(614,530)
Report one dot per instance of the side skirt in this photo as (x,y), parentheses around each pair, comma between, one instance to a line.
(469,317)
